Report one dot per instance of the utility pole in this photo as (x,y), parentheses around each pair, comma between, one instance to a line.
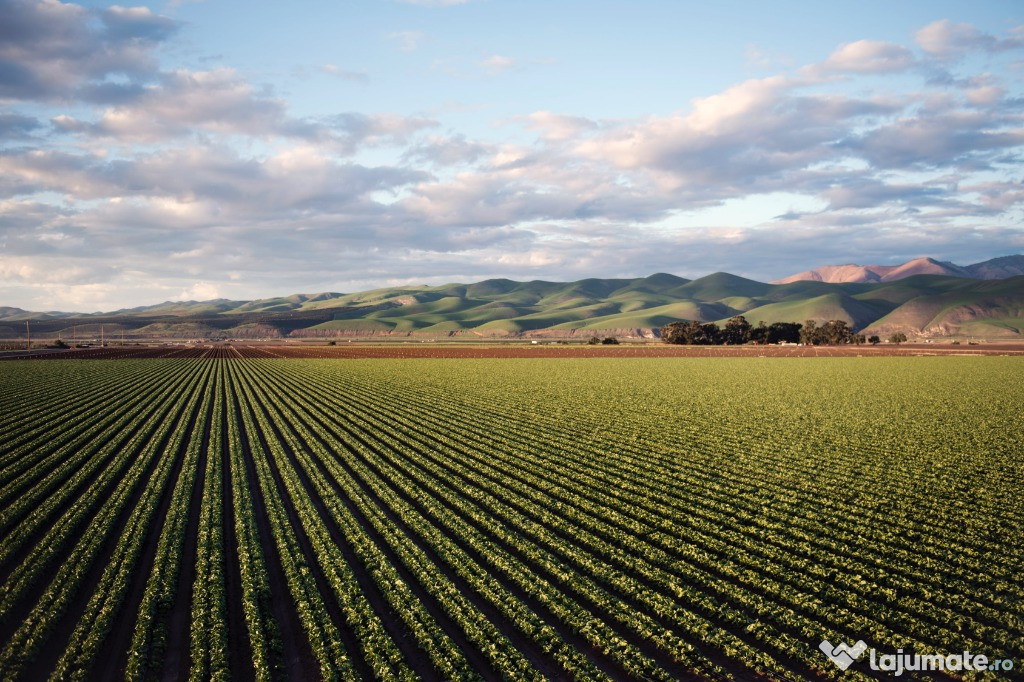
(101,336)
(28,335)
(74,335)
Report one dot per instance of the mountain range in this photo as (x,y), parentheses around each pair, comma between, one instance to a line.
(996,268)
(975,304)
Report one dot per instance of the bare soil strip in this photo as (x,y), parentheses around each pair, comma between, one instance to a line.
(526,646)
(239,646)
(297,655)
(567,634)
(349,638)
(471,652)
(58,639)
(180,619)
(120,638)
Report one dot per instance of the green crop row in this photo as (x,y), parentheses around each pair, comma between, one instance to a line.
(70,576)
(589,519)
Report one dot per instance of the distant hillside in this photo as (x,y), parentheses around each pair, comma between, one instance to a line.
(986,308)
(921,305)
(997,268)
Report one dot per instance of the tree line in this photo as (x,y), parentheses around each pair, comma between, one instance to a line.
(737,331)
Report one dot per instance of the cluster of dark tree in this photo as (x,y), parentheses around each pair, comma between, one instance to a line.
(738,331)
(606,341)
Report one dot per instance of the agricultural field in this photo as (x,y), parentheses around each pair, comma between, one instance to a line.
(582,518)
(434,349)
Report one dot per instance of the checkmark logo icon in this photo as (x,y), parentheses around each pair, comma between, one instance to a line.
(843,655)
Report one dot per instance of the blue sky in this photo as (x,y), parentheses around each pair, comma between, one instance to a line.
(193,150)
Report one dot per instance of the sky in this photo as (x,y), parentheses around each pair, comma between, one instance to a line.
(191,150)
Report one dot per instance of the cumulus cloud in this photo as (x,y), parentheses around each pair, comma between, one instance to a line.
(556,127)
(16,126)
(195,183)
(199,291)
(758,136)
(137,24)
(968,139)
(945,39)
(49,50)
(868,56)
(447,150)
(185,101)
(168,179)
(996,196)
(863,193)
(985,95)
(515,184)
(351,130)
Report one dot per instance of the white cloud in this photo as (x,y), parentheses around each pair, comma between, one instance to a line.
(16,126)
(985,95)
(198,185)
(353,130)
(447,150)
(868,56)
(557,127)
(945,39)
(185,101)
(949,139)
(207,185)
(723,112)
(199,291)
(221,102)
(51,50)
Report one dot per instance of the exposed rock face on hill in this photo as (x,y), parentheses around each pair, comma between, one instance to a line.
(997,268)
(876,273)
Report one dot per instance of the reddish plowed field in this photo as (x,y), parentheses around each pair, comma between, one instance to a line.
(424,350)
(624,351)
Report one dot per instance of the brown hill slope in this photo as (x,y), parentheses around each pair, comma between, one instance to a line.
(995,268)
(877,273)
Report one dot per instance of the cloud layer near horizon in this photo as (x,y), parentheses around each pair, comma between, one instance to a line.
(124,182)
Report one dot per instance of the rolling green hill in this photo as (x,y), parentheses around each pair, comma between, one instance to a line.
(921,305)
